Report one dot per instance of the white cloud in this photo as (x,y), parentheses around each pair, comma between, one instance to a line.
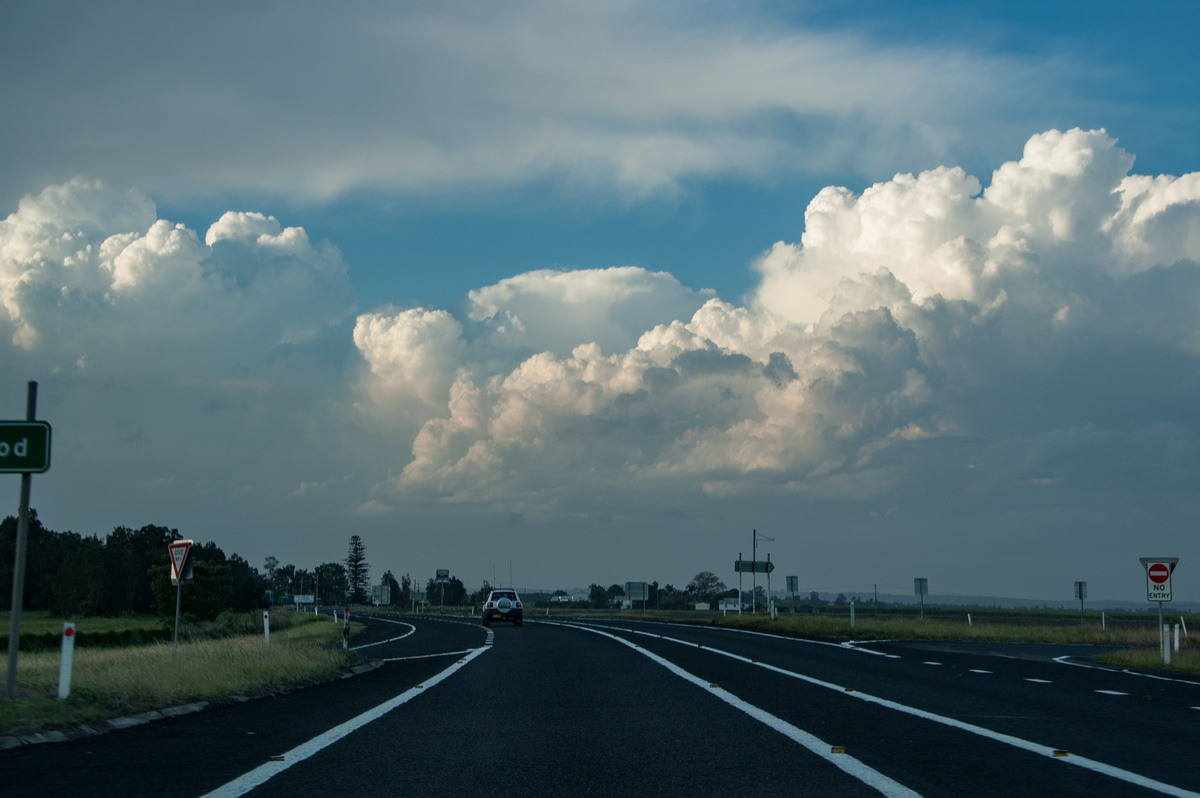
(617,96)
(933,349)
(927,308)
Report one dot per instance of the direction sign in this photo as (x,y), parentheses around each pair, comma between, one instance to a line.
(1158,577)
(24,447)
(753,566)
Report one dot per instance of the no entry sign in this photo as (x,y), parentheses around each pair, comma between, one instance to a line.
(1158,577)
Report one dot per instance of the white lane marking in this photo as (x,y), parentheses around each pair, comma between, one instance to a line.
(248,781)
(411,629)
(978,670)
(431,656)
(1110,692)
(1065,660)
(1039,681)
(845,762)
(1008,739)
(931,663)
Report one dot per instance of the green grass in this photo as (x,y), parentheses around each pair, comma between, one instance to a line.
(42,622)
(1138,644)
(113,682)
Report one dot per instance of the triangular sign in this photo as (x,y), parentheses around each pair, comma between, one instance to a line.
(179,553)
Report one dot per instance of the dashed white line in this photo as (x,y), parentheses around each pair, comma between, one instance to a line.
(1093,765)
(848,764)
(1110,692)
(1039,681)
(979,670)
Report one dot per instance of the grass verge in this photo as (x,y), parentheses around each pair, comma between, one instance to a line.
(115,682)
(1138,647)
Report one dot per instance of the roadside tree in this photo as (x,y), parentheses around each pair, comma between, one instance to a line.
(358,571)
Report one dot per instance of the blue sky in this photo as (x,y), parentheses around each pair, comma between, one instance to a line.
(908,287)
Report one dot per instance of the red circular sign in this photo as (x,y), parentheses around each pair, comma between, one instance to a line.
(1158,573)
(69,631)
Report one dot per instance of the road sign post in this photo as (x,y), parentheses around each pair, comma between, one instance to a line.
(24,450)
(921,587)
(178,552)
(1158,588)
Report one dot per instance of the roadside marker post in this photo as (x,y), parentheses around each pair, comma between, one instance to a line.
(267,626)
(67,662)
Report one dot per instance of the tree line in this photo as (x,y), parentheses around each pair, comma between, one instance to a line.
(128,573)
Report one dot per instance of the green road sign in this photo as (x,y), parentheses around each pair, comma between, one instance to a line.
(24,447)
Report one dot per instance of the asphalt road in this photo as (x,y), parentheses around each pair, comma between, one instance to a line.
(614,708)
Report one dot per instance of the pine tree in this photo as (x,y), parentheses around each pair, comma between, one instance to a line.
(357,571)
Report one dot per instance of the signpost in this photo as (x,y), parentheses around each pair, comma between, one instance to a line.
(921,587)
(443,576)
(1158,588)
(181,571)
(1081,594)
(24,450)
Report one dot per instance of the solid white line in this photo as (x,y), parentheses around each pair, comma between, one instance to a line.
(845,762)
(1065,660)
(1025,745)
(411,629)
(428,656)
(248,781)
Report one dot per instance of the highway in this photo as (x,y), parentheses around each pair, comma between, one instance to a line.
(621,707)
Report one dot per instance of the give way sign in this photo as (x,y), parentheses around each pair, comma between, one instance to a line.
(1158,577)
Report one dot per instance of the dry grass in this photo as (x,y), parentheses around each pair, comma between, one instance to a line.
(1139,645)
(112,682)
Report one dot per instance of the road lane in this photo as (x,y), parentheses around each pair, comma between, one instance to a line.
(192,754)
(551,711)
(968,696)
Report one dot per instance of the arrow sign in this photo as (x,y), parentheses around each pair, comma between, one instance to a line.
(753,566)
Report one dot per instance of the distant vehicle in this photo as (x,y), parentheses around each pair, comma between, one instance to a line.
(503,605)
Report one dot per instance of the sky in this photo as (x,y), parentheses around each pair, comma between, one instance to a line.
(558,293)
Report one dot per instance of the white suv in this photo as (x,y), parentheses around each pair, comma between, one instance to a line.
(503,605)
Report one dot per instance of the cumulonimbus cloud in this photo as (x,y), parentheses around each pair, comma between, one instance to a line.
(900,316)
